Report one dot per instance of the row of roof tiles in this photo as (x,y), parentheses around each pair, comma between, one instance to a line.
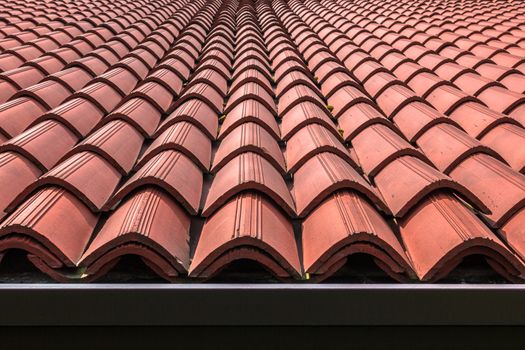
(301,132)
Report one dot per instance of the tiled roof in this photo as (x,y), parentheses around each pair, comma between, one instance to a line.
(293,134)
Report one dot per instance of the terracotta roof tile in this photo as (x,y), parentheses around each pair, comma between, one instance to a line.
(503,139)
(330,173)
(247,227)
(447,146)
(195,111)
(377,145)
(18,114)
(295,134)
(148,224)
(249,137)
(44,144)
(79,114)
(250,111)
(355,228)
(311,140)
(248,171)
(117,142)
(16,173)
(460,234)
(186,138)
(172,171)
(63,213)
(503,197)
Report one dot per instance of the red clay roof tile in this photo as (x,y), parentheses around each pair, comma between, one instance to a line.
(117,142)
(73,78)
(442,218)
(311,140)
(324,174)
(79,114)
(355,227)
(18,114)
(503,139)
(23,77)
(248,171)
(249,137)
(44,144)
(184,137)
(498,186)
(150,220)
(296,95)
(249,111)
(447,146)
(377,145)
(101,94)
(48,93)
(172,171)
(57,220)
(303,114)
(205,93)
(247,227)
(416,118)
(87,175)
(251,91)
(155,93)
(16,173)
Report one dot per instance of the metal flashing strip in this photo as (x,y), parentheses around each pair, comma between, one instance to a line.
(261,304)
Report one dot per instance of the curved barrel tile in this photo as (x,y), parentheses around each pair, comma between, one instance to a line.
(117,141)
(87,175)
(440,232)
(324,174)
(249,137)
(56,219)
(499,187)
(248,171)
(172,171)
(344,221)
(184,137)
(147,221)
(407,180)
(247,227)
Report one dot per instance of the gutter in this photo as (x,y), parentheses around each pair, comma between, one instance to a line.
(261,304)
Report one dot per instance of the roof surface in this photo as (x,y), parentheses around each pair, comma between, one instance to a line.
(296,135)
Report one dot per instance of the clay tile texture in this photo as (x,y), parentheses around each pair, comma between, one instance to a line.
(262,140)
